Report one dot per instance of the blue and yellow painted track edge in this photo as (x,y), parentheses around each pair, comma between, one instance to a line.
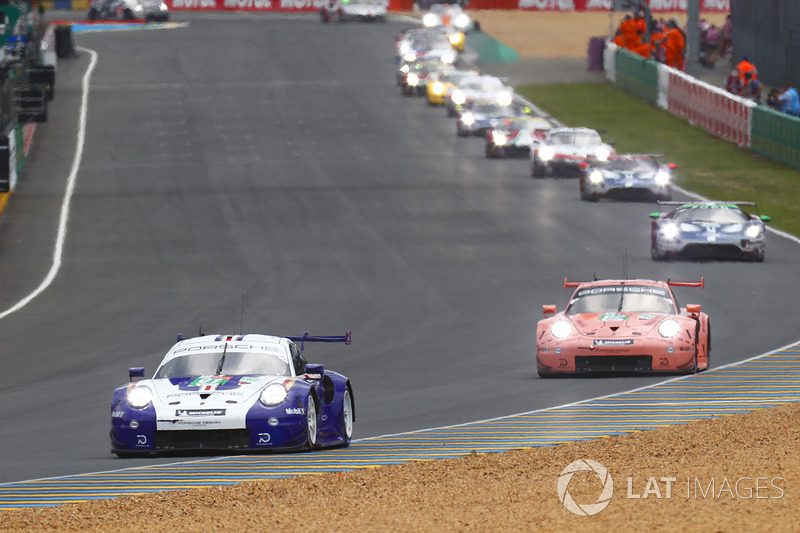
(763,381)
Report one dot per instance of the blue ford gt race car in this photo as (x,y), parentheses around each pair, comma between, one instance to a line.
(708,230)
(233,393)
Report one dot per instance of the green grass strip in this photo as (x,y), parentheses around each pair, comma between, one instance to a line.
(707,165)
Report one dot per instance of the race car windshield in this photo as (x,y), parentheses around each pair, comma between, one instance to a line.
(631,165)
(492,110)
(235,363)
(621,298)
(717,215)
(575,139)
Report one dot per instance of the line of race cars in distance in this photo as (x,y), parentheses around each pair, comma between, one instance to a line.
(608,326)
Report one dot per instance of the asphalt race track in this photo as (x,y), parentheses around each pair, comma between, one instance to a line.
(273,158)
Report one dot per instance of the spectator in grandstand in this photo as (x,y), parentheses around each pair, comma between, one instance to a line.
(733,83)
(709,45)
(752,88)
(726,40)
(790,101)
(774,100)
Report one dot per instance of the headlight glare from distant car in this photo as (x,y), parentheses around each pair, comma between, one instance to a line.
(273,394)
(504,98)
(670,231)
(461,21)
(140,396)
(669,328)
(456,38)
(438,88)
(499,138)
(138,7)
(449,58)
(429,19)
(405,68)
(458,97)
(560,329)
(546,153)
(468,119)
(410,56)
(595,176)
(412,79)
(602,153)
(753,232)
(662,178)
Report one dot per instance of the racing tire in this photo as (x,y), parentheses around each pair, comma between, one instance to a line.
(654,253)
(93,14)
(311,420)
(538,171)
(128,15)
(324,16)
(544,374)
(348,417)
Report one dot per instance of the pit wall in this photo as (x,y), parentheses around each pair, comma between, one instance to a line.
(738,120)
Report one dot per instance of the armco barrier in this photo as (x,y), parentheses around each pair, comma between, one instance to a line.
(711,108)
(775,135)
(637,74)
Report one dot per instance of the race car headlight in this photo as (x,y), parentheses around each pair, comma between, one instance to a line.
(456,38)
(596,176)
(668,328)
(602,153)
(140,397)
(449,58)
(753,232)
(438,88)
(504,98)
(429,19)
(458,97)
(560,329)
(412,79)
(405,68)
(273,394)
(468,119)
(461,21)
(404,48)
(546,153)
(499,138)
(138,7)
(163,7)
(662,178)
(410,56)
(670,231)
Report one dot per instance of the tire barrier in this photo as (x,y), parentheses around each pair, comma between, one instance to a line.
(65,46)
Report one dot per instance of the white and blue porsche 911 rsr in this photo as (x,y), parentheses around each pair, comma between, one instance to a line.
(233,392)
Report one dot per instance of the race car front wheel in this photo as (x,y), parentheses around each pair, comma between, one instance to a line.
(348,417)
(311,419)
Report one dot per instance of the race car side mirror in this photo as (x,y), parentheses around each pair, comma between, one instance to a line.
(549,310)
(135,372)
(315,370)
(765,218)
(693,309)
(654,215)
(672,166)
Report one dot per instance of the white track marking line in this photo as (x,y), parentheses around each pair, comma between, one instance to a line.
(58,250)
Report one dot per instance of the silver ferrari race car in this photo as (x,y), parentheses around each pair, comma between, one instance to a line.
(629,176)
(477,88)
(564,149)
(708,230)
(130,10)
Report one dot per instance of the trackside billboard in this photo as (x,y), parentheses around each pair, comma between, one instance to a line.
(656,6)
(245,5)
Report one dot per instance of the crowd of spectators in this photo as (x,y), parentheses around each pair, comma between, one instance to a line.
(665,41)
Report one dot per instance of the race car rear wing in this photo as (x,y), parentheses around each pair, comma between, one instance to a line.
(305,337)
(673,202)
(701,283)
